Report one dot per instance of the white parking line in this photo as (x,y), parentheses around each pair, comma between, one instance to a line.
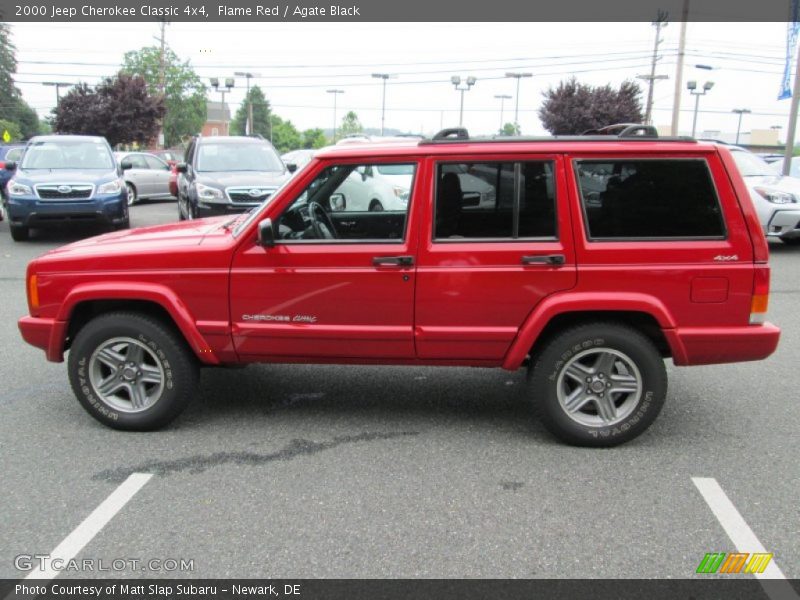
(92,525)
(772,579)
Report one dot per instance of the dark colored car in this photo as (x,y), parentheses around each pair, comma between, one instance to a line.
(65,179)
(605,257)
(227,174)
(8,153)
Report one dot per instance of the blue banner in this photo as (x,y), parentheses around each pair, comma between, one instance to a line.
(792,28)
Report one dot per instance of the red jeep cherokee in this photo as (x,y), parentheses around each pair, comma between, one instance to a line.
(587,260)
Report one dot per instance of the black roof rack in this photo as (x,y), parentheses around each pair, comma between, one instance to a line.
(627,131)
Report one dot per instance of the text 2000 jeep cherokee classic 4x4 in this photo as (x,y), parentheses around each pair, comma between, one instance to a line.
(592,260)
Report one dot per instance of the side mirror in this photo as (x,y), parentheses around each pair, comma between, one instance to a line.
(337,202)
(291,167)
(125,165)
(11,166)
(182,168)
(266,234)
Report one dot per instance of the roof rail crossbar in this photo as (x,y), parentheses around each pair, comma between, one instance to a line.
(458,133)
(625,130)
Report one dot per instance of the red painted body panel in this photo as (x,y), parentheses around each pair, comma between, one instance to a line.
(461,303)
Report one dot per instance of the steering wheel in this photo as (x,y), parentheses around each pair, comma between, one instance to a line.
(321,222)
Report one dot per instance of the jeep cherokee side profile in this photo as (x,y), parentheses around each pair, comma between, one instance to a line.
(600,257)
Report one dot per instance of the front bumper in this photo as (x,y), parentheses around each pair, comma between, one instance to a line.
(714,345)
(214,209)
(32,212)
(47,334)
(784,224)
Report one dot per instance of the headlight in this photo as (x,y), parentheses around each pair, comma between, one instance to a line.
(207,193)
(111,187)
(401,193)
(775,196)
(18,189)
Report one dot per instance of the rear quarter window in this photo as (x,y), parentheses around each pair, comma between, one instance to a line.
(649,199)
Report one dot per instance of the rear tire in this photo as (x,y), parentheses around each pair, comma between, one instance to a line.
(132,372)
(598,385)
(19,234)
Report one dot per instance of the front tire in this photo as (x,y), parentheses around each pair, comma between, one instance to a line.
(133,196)
(131,372)
(598,385)
(19,234)
(376,206)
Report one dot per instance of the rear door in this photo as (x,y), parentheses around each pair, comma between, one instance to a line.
(497,241)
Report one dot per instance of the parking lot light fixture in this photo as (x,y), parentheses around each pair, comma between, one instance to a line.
(692,87)
(502,98)
(383,76)
(517,76)
(467,84)
(248,76)
(335,95)
(227,86)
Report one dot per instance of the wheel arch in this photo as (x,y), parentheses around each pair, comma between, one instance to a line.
(87,302)
(558,312)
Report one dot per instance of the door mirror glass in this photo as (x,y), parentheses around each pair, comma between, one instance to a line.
(11,166)
(291,167)
(182,168)
(125,165)
(338,202)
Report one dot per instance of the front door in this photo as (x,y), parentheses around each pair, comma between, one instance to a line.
(339,281)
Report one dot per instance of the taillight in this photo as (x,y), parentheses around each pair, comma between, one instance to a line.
(760,300)
(2,165)
(33,293)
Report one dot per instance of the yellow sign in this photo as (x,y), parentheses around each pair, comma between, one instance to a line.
(6,136)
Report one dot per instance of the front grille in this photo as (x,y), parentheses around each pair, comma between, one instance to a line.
(243,195)
(64,192)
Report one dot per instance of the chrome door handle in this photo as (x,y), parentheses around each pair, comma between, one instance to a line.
(397,261)
(555,260)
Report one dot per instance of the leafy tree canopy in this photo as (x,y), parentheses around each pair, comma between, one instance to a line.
(261,114)
(121,109)
(574,107)
(184,92)
(314,138)
(350,125)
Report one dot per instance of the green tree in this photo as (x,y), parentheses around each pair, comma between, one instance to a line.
(285,136)
(509,129)
(314,138)
(120,109)
(12,106)
(573,107)
(350,124)
(261,114)
(184,92)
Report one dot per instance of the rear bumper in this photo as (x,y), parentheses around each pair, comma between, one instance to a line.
(713,345)
(47,334)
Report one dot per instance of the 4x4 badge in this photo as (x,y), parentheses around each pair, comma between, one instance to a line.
(726,257)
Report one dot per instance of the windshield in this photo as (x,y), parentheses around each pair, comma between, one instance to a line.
(68,155)
(237,157)
(751,165)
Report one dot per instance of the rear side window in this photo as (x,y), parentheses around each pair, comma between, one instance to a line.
(495,201)
(649,199)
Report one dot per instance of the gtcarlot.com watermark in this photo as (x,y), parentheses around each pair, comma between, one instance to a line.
(45,562)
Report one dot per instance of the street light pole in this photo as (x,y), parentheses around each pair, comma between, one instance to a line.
(517,76)
(740,112)
(502,98)
(468,83)
(692,87)
(335,94)
(383,76)
(247,75)
(228,85)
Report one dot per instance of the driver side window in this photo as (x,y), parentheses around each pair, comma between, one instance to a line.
(351,203)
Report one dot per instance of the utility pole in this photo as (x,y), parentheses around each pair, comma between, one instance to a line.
(740,112)
(162,76)
(676,100)
(661,21)
(792,128)
(58,85)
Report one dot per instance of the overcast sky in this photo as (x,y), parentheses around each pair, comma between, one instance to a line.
(298,62)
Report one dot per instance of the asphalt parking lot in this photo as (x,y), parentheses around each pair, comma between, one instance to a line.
(388,472)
